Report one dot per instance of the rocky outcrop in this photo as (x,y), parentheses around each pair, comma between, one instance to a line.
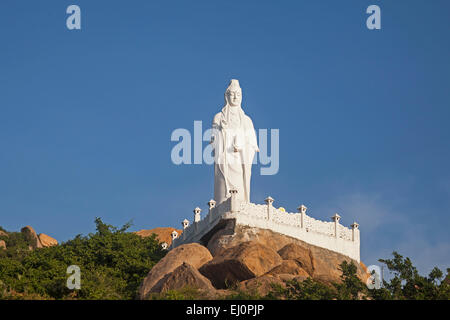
(3,234)
(32,237)
(322,264)
(183,276)
(291,267)
(47,241)
(162,234)
(2,244)
(299,254)
(249,259)
(244,261)
(193,253)
(260,285)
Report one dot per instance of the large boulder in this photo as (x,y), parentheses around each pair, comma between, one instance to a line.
(291,267)
(266,283)
(2,244)
(232,235)
(223,239)
(183,276)
(3,234)
(193,253)
(301,255)
(261,285)
(47,241)
(32,237)
(326,266)
(162,234)
(244,261)
(325,263)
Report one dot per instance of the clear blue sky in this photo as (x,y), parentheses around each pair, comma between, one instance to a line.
(86,116)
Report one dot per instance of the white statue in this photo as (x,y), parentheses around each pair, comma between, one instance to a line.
(235,145)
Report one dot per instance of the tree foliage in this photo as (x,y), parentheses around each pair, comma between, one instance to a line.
(408,284)
(113,263)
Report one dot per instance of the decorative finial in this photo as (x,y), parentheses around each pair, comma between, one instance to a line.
(336,217)
(302,209)
(211,203)
(197,214)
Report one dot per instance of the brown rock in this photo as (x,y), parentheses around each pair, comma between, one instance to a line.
(243,262)
(162,234)
(31,235)
(3,234)
(193,253)
(326,266)
(363,266)
(223,239)
(365,274)
(47,241)
(326,261)
(231,235)
(183,276)
(302,255)
(2,244)
(286,277)
(291,267)
(261,285)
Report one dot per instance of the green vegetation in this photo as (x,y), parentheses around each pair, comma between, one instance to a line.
(113,263)
(406,284)
(187,293)
(350,288)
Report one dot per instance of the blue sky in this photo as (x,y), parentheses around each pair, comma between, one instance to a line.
(86,116)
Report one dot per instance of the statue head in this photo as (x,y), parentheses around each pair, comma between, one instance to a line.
(233,94)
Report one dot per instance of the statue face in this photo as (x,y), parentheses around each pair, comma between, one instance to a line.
(234,97)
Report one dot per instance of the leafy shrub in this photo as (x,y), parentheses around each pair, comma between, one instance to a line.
(112,262)
(408,284)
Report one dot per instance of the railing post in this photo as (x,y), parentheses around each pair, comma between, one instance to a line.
(197,217)
(212,205)
(269,200)
(336,219)
(185,224)
(302,209)
(234,205)
(354,227)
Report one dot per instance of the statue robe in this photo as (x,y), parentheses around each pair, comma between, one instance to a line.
(232,128)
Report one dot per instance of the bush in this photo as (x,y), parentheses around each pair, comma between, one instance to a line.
(113,263)
(408,284)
